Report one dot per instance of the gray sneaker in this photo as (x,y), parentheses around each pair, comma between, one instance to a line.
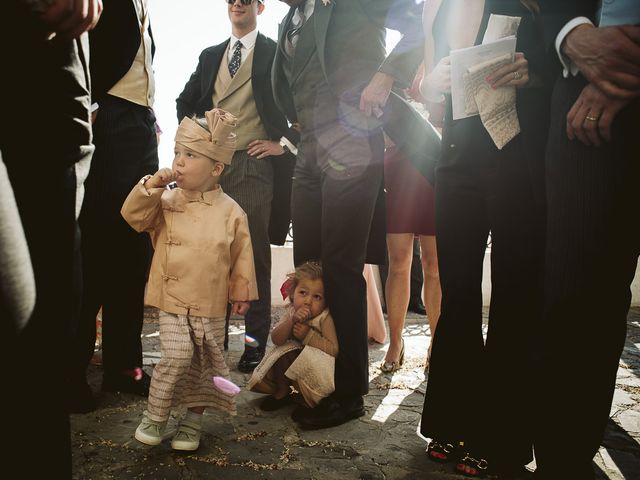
(149,431)
(187,437)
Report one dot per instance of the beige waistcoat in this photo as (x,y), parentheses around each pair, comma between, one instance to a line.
(235,95)
(138,84)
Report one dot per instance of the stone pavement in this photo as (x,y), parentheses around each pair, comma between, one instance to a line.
(383,444)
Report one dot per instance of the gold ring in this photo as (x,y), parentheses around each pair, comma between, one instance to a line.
(591,118)
(516,75)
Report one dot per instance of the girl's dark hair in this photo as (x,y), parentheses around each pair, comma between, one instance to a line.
(308,270)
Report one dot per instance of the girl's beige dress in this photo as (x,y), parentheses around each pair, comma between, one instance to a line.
(313,371)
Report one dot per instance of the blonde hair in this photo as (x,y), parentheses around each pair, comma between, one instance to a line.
(308,270)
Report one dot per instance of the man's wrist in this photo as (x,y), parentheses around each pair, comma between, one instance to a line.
(564,44)
(287,146)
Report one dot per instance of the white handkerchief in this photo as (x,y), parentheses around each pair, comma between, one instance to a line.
(500,26)
(497,107)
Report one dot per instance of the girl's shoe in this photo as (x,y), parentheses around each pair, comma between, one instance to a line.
(187,438)
(472,467)
(271,403)
(390,367)
(149,431)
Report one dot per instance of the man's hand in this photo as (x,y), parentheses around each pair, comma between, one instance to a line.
(591,116)
(161,178)
(264,148)
(374,96)
(239,308)
(608,57)
(71,18)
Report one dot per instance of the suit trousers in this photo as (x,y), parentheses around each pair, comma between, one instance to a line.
(336,183)
(593,242)
(477,391)
(115,258)
(45,133)
(249,182)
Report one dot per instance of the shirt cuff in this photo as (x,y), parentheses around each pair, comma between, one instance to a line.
(567,65)
(292,148)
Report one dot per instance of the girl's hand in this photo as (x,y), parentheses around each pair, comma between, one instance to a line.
(161,178)
(514,74)
(300,330)
(264,148)
(239,308)
(301,315)
(437,82)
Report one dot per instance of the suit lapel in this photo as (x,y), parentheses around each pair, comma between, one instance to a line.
(212,66)
(260,68)
(279,83)
(321,24)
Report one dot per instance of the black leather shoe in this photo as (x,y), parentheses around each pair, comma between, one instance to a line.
(249,360)
(331,413)
(417,307)
(81,398)
(124,383)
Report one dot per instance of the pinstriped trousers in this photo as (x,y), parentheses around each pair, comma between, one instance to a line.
(250,183)
(191,355)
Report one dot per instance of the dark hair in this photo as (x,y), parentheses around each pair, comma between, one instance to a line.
(308,270)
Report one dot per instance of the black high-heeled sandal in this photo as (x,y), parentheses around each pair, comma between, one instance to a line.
(478,467)
(440,451)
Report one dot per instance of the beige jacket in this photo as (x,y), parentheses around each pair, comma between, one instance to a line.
(203,257)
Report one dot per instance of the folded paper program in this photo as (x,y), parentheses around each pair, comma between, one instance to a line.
(497,107)
(500,26)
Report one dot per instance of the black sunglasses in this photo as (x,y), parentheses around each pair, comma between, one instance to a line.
(243,2)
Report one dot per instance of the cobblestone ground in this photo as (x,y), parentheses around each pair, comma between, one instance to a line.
(383,444)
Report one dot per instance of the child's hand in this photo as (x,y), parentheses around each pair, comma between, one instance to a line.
(300,330)
(301,315)
(161,178)
(239,308)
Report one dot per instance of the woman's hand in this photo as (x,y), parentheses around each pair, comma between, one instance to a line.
(239,308)
(264,148)
(514,74)
(161,178)
(300,330)
(437,82)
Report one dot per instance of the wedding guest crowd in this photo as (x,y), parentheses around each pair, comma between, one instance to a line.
(537,150)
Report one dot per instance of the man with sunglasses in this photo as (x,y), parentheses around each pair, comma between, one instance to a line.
(236,75)
(332,76)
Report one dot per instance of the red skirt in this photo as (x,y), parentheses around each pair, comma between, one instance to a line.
(409,196)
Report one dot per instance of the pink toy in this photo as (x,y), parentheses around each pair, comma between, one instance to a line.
(226,386)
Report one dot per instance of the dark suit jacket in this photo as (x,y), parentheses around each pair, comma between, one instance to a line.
(196,98)
(350,39)
(114,44)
